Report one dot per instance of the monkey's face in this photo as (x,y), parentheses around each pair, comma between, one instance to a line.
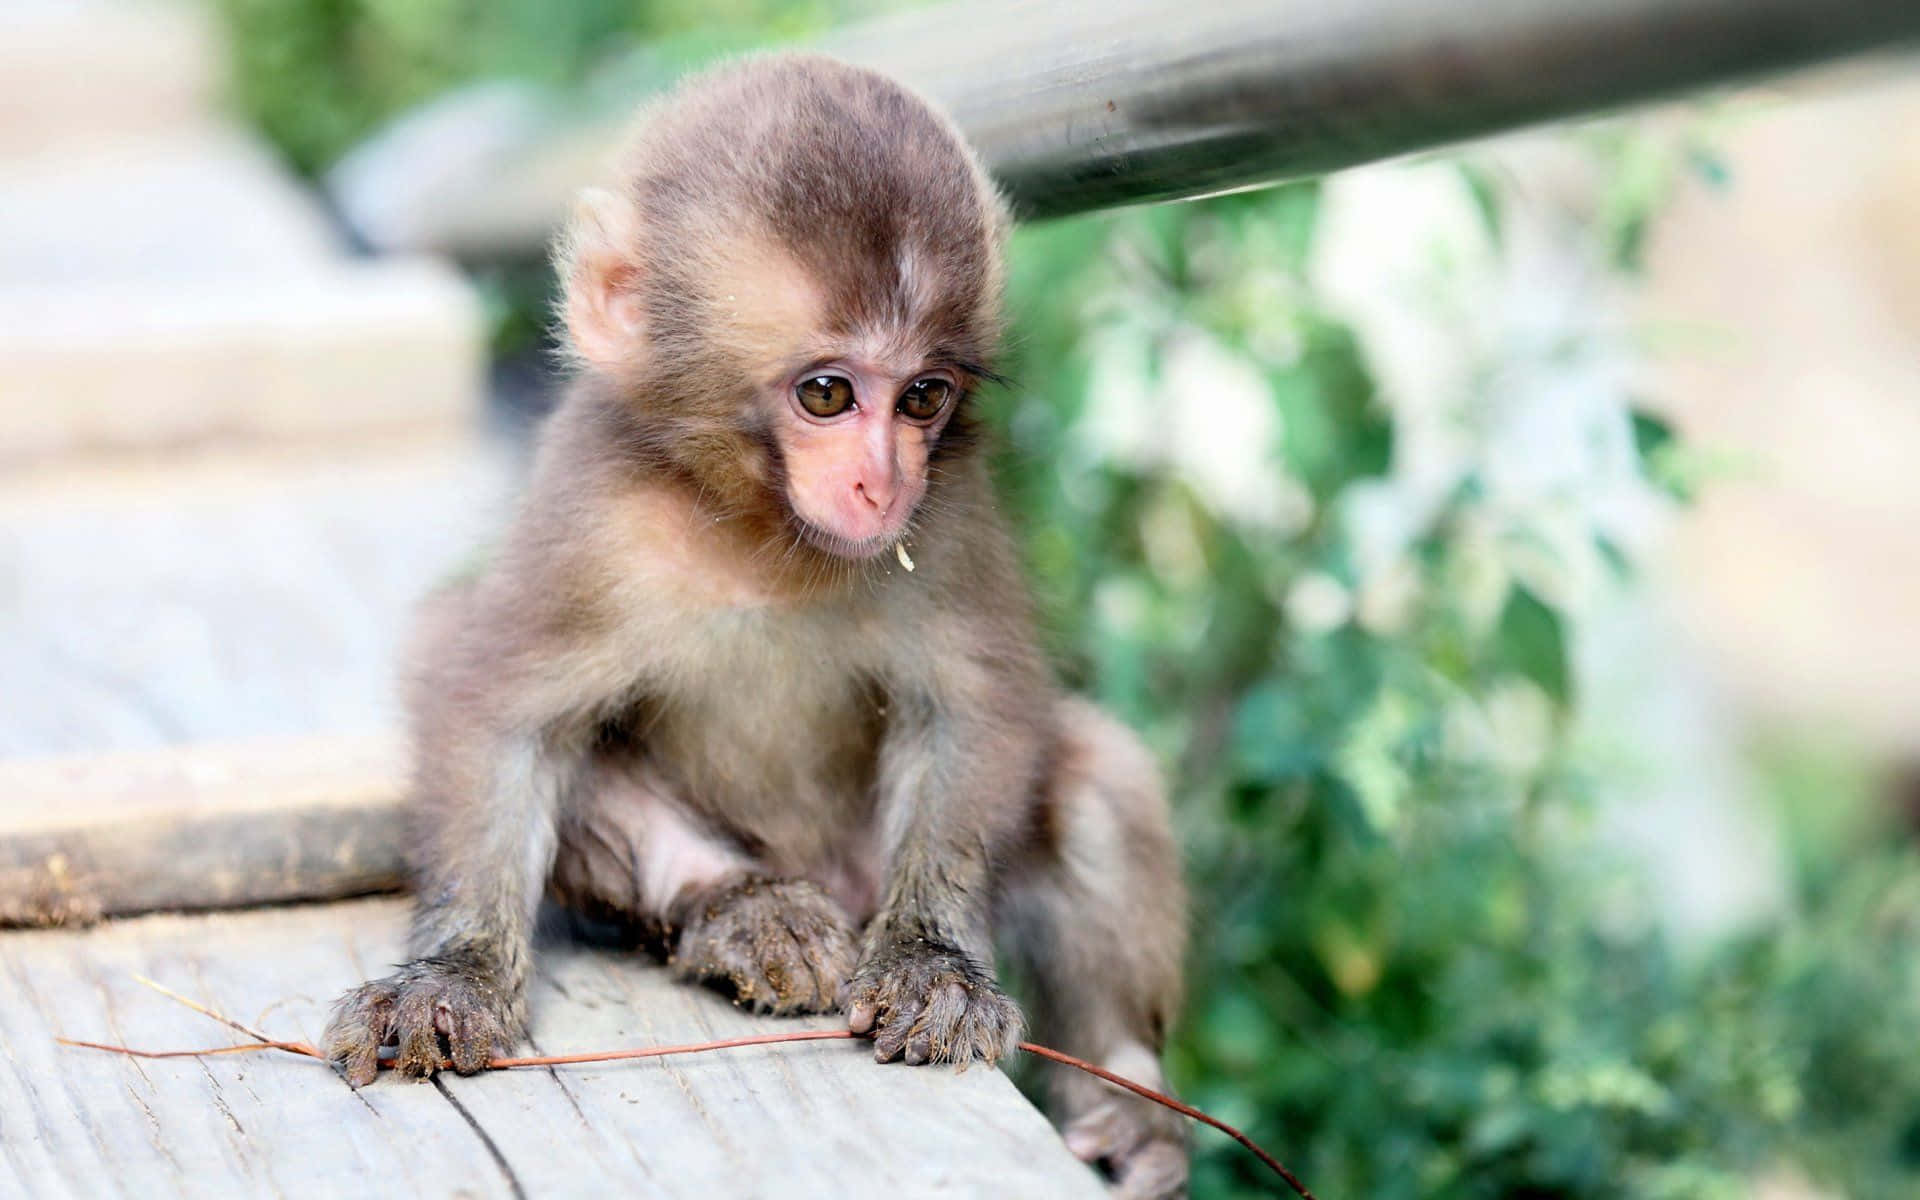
(855,438)
(792,299)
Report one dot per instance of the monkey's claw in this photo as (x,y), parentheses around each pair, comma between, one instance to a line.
(926,1003)
(781,946)
(414,1009)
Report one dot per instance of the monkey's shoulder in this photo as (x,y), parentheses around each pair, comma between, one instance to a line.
(643,544)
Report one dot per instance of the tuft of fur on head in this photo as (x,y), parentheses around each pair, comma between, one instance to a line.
(768,199)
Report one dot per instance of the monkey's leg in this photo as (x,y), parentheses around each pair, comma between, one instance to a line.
(483,857)
(1094,916)
(628,852)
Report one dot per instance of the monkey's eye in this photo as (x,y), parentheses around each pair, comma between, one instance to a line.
(825,395)
(924,398)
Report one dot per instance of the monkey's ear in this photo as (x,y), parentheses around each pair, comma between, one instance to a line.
(600,263)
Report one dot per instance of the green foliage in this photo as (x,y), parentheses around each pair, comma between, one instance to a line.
(1413,975)
(318,75)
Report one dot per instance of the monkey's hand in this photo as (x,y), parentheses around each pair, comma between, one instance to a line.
(783,946)
(414,1008)
(930,1003)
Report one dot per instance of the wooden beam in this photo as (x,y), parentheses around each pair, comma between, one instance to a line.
(198,827)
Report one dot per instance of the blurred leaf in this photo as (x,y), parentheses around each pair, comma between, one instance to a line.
(1332,430)
(1651,434)
(1486,197)
(1529,641)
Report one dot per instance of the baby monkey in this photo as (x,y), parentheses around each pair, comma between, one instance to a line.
(754,667)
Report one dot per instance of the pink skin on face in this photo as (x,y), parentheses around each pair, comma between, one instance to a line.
(855,478)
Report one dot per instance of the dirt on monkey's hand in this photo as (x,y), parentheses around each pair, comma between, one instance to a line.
(925,1002)
(781,946)
(413,1009)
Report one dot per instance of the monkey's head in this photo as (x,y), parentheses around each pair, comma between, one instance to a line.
(792,291)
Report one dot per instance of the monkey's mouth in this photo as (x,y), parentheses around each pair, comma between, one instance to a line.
(857,549)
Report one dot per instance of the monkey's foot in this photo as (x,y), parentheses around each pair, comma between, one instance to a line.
(1142,1146)
(413,1009)
(928,1003)
(782,946)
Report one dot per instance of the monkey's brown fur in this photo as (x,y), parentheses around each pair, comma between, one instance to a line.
(830,781)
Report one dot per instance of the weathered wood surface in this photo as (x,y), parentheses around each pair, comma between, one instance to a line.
(813,1119)
(196,827)
(228,596)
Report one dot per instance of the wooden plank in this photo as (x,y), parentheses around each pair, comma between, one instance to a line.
(360,348)
(197,827)
(82,1123)
(813,1119)
(226,596)
(183,207)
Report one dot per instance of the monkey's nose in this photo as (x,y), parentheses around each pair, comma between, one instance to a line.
(877,496)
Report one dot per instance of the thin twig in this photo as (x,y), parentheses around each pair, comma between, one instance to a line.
(242,1048)
(229,1022)
(263,1042)
(758,1039)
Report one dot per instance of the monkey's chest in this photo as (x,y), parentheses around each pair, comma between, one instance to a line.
(766,731)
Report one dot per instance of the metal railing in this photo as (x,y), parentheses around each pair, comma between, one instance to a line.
(1079,106)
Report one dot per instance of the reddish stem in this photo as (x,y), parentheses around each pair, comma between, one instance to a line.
(1185,1110)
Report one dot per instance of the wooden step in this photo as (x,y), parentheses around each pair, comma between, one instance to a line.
(180,205)
(356,348)
(75,71)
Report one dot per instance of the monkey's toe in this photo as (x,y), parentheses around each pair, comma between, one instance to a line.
(780,946)
(1142,1146)
(925,1004)
(432,1012)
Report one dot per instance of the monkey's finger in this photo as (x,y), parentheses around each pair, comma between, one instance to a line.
(363,1068)
(889,1042)
(919,1046)
(861,1015)
(418,1040)
(362,1019)
(989,1030)
(469,1037)
(935,1033)
(357,1057)
(900,1021)
(419,1051)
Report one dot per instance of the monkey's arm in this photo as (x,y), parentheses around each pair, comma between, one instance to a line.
(502,706)
(956,777)
(486,790)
